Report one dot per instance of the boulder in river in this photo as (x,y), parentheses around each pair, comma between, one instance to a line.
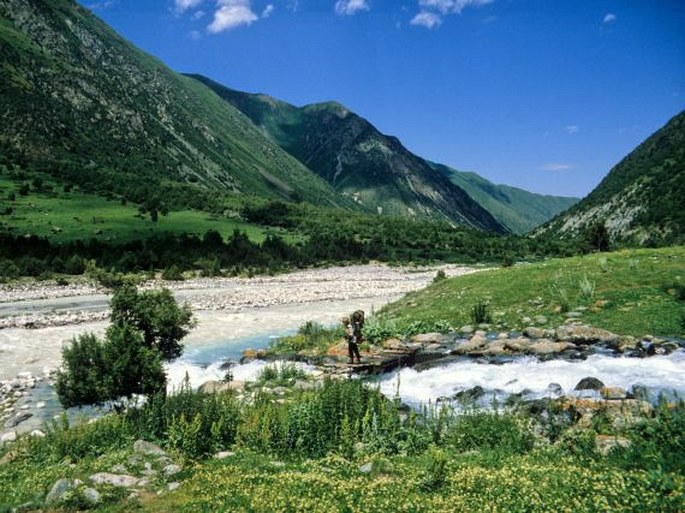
(582,334)
(545,347)
(477,342)
(589,383)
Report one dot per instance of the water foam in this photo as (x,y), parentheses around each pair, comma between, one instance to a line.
(534,377)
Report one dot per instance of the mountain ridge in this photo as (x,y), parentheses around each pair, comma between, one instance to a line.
(517,210)
(357,160)
(640,200)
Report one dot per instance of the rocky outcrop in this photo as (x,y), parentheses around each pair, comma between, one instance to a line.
(585,335)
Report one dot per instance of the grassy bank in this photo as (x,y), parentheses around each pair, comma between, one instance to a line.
(631,292)
(343,447)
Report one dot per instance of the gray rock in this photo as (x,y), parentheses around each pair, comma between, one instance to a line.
(428,338)
(573,315)
(555,389)
(224,454)
(581,334)
(518,345)
(120,480)
(173,486)
(8,437)
(58,489)
(589,383)
(366,468)
(18,419)
(534,332)
(543,347)
(303,385)
(477,342)
(613,393)
(541,319)
(466,330)
(37,433)
(92,495)
(607,443)
(145,447)
(171,470)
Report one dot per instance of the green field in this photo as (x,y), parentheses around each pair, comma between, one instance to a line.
(67,216)
(629,292)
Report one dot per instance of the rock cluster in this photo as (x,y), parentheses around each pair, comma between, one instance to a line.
(148,469)
(16,404)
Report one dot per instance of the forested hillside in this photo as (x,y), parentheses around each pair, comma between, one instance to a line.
(83,104)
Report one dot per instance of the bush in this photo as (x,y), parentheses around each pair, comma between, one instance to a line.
(284,374)
(376,331)
(439,276)
(172,273)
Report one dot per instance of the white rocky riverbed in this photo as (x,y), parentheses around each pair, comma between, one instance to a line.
(37,321)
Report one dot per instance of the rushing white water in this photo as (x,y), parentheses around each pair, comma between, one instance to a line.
(663,373)
(208,362)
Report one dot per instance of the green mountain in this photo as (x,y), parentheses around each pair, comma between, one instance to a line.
(519,210)
(373,169)
(641,200)
(83,104)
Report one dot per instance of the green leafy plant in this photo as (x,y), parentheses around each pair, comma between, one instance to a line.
(435,474)
(479,312)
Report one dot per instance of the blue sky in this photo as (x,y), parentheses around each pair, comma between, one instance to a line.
(546,95)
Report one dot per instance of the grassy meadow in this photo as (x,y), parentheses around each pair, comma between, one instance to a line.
(630,292)
(66,216)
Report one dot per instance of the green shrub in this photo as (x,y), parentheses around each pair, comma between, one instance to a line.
(414,328)
(435,474)
(377,331)
(283,374)
(172,273)
(439,276)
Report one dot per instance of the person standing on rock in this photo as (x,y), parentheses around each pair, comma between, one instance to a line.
(352,340)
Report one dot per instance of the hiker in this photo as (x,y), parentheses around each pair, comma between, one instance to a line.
(353,337)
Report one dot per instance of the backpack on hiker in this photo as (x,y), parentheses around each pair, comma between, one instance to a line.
(357,325)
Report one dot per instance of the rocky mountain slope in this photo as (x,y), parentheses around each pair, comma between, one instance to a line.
(519,210)
(641,200)
(373,169)
(80,102)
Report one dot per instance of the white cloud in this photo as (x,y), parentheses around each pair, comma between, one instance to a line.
(268,10)
(194,35)
(451,6)
(572,129)
(97,6)
(183,5)
(431,11)
(555,166)
(231,14)
(609,17)
(197,15)
(350,7)
(426,19)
